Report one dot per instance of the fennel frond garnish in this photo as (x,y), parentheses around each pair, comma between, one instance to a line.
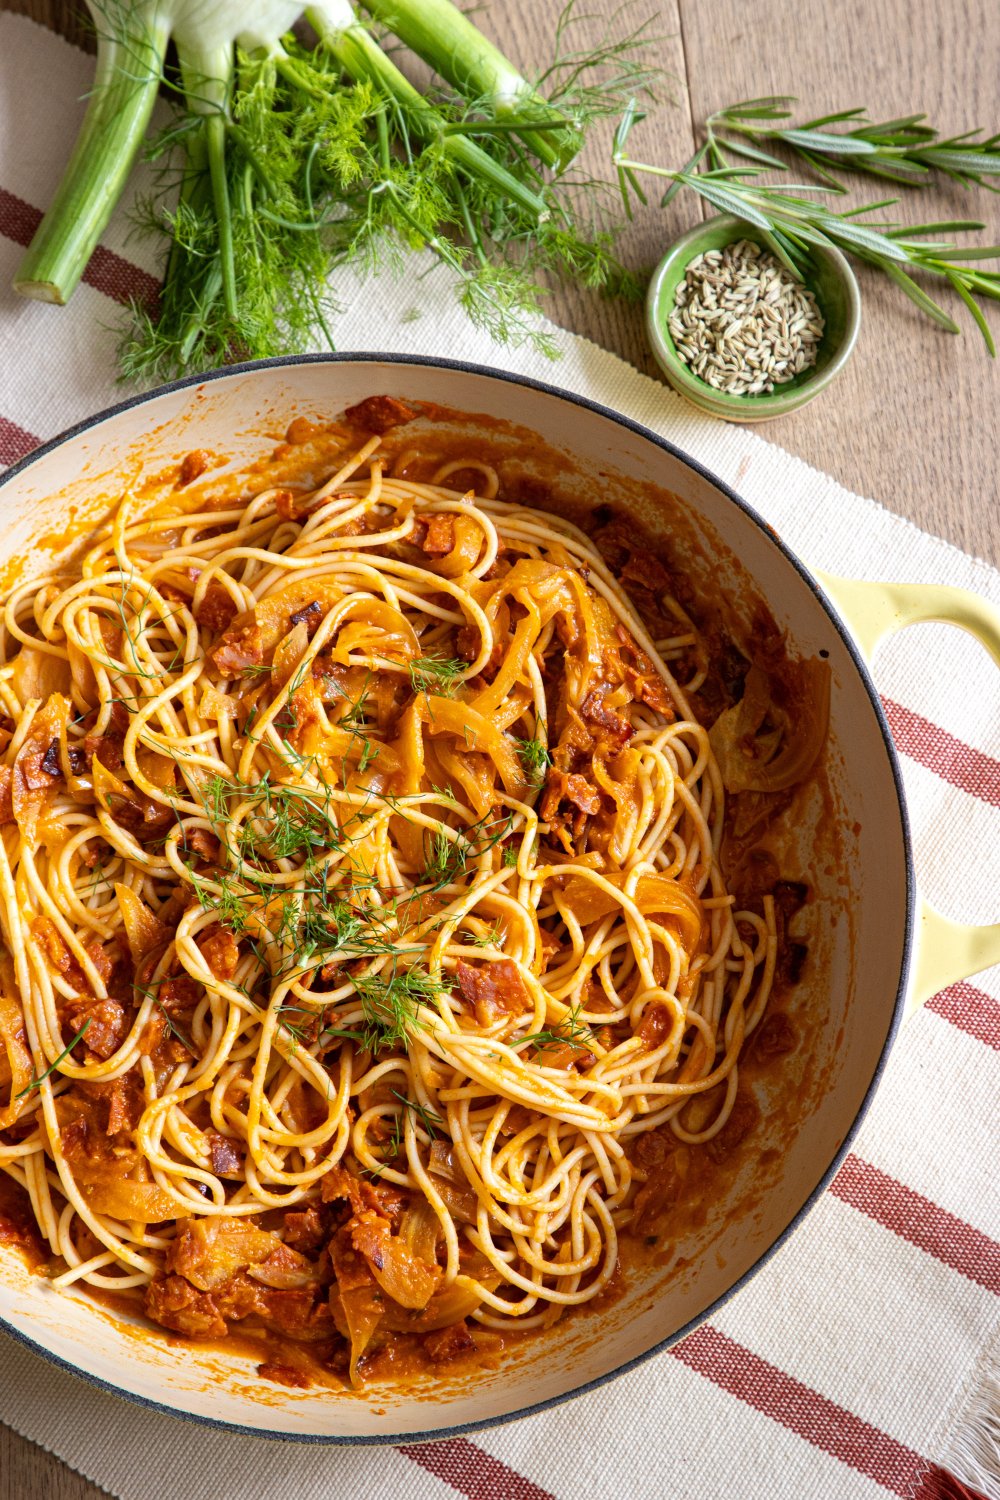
(285,160)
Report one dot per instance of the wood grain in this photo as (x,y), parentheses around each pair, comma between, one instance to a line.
(913,421)
(27,1472)
(70,20)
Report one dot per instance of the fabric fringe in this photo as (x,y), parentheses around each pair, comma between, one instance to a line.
(973,1453)
(969,1468)
(938,1484)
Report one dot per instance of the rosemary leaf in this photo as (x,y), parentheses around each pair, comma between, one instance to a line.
(906,150)
(975,310)
(925,302)
(789,219)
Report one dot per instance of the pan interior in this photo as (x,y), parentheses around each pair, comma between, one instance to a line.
(849,843)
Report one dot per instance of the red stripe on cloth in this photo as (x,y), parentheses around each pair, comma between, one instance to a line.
(106,272)
(959,764)
(15,442)
(120,280)
(475,1474)
(18,220)
(916,1219)
(743,1374)
(971,1010)
(802,1410)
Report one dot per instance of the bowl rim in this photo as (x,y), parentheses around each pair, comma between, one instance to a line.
(465,367)
(784,399)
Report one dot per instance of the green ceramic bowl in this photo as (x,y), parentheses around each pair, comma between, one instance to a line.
(831,280)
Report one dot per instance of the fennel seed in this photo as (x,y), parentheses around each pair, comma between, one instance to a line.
(742,323)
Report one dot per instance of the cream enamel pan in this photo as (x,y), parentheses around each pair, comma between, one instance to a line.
(875,948)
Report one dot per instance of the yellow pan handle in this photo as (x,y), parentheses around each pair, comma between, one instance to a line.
(946,951)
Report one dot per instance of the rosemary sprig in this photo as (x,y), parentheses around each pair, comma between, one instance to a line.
(790,224)
(905,150)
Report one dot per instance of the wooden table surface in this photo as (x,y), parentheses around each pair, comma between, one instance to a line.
(913,420)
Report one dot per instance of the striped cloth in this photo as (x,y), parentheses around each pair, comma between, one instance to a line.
(865,1359)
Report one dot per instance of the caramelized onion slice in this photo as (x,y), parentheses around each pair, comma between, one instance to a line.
(31,780)
(19,1060)
(132,1202)
(216,705)
(745,759)
(285,1269)
(288,653)
(447,1306)
(419,1231)
(209,1251)
(654,895)
(39,674)
(405,1277)
(357,1314)
(109,790)
(158,766)
(451,1183)
(356,1300)
(145,934)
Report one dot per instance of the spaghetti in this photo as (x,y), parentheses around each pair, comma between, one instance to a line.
(362,906)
